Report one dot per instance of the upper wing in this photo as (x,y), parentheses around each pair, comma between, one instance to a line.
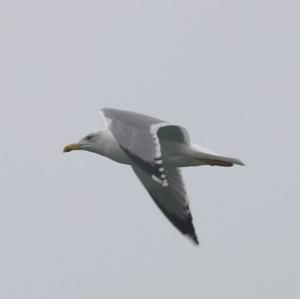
(174,133)
(137,136)
(172,200)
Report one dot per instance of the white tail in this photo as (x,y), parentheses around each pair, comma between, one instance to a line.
(209,158)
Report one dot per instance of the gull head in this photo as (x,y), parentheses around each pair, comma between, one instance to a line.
(91,142)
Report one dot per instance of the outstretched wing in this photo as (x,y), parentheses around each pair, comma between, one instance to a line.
(172,200)
(139,136)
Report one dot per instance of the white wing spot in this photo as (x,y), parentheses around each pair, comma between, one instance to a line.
(156,179)
(165,183)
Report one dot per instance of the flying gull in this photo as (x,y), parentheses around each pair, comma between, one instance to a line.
(155,150)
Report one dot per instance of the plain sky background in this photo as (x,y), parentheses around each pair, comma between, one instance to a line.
(80,226)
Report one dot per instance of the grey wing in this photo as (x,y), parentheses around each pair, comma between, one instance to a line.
(172,200)
(137,136)
(174,133)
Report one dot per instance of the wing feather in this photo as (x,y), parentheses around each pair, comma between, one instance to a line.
(171,200)
(140,137)
(137,136)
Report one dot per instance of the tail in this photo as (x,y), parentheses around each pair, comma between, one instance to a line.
(209,158)
(223,161)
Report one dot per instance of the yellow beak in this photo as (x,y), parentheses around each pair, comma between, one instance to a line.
(71,147)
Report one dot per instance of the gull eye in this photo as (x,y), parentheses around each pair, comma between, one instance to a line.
(89,137)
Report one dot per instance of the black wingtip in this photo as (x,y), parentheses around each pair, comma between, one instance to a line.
(194,239)
(190,232)
(188,229)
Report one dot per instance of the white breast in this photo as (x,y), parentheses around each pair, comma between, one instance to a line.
(113,151)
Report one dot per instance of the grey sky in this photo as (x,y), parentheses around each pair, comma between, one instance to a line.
(80,226)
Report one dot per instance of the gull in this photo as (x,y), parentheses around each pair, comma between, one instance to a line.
(155,150)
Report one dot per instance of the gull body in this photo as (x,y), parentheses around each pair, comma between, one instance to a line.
(155,150)
(176,154)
